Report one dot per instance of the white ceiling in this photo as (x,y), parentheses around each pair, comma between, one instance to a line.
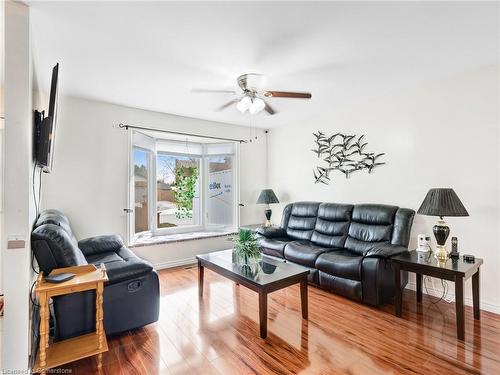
(150,55)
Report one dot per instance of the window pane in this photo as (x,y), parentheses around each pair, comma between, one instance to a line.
(178,193)
(141,188)
(220,205)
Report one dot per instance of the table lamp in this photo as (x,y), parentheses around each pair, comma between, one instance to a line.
(267,197)
(442,202)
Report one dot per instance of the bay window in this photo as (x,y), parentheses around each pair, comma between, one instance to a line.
(181,186)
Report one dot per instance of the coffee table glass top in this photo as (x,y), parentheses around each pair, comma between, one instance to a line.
(268,270)
(429,260)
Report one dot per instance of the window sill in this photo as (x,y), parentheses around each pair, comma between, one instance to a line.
(178,237)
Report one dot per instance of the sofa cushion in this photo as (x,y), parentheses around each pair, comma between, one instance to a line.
(54,217)
(273,246)
(341,263)
(100,244)
(374,213)
(55,248)
(302,220)
(371,224)
(332,224)
(402,227)
(370,232)
(303,252)
(270,232)
(121,265)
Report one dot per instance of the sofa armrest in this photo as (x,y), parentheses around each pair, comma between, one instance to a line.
(271,232)
(100,244)
(385,251)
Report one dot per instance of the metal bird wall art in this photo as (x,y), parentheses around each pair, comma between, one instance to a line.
(344,153)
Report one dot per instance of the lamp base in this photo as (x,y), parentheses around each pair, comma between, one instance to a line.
(441,232)
(268,212)
(441,254)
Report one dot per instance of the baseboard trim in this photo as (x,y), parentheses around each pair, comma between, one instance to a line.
(175,263)
(484,305)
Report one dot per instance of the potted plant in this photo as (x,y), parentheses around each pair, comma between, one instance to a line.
(185,189)
(246,249)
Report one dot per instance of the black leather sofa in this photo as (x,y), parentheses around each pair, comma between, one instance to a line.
(131,296)
(348,248)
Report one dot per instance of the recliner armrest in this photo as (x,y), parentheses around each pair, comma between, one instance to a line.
(271,232)
(385,251)
(100,244)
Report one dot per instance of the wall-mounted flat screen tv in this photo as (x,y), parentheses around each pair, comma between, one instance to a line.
(47,130)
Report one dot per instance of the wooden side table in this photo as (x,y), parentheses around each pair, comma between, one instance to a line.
(87,277)
(455,270)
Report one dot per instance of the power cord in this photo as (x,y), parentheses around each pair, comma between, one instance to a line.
(34,190)
(33,301)
(33,266)
(37,195)
(37,200)
(39,190)
(444,284)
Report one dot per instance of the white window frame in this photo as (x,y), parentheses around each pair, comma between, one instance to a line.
(150,144)
(236,189)
(150,189)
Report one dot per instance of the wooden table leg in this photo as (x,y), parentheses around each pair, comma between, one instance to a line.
(44,330)
(419,287)
(459,306)
(99,321)
(263,314)
(398,298)
(99,313)
(201,271)
(475,295)
(303,298)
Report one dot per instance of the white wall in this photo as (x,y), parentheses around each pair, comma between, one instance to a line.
(18,206)
(89,180)
(440,135)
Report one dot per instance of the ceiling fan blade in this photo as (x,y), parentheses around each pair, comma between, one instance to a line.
(228,104)
(287,94)
(210,91)
(269,109)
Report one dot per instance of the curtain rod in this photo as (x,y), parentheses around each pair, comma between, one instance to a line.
(126,126)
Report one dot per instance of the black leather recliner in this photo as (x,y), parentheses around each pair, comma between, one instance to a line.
(131,296)
(347,248)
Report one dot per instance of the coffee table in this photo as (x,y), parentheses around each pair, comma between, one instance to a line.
(272,275)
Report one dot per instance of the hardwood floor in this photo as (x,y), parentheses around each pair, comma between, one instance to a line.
(220,335)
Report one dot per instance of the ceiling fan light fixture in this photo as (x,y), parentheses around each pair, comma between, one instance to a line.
(244,104)
(257,105)
(252,97)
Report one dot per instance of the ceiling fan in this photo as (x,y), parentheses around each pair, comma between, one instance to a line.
(252,98)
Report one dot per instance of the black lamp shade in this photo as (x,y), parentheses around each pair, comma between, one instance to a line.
(267,196)
(442,202)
